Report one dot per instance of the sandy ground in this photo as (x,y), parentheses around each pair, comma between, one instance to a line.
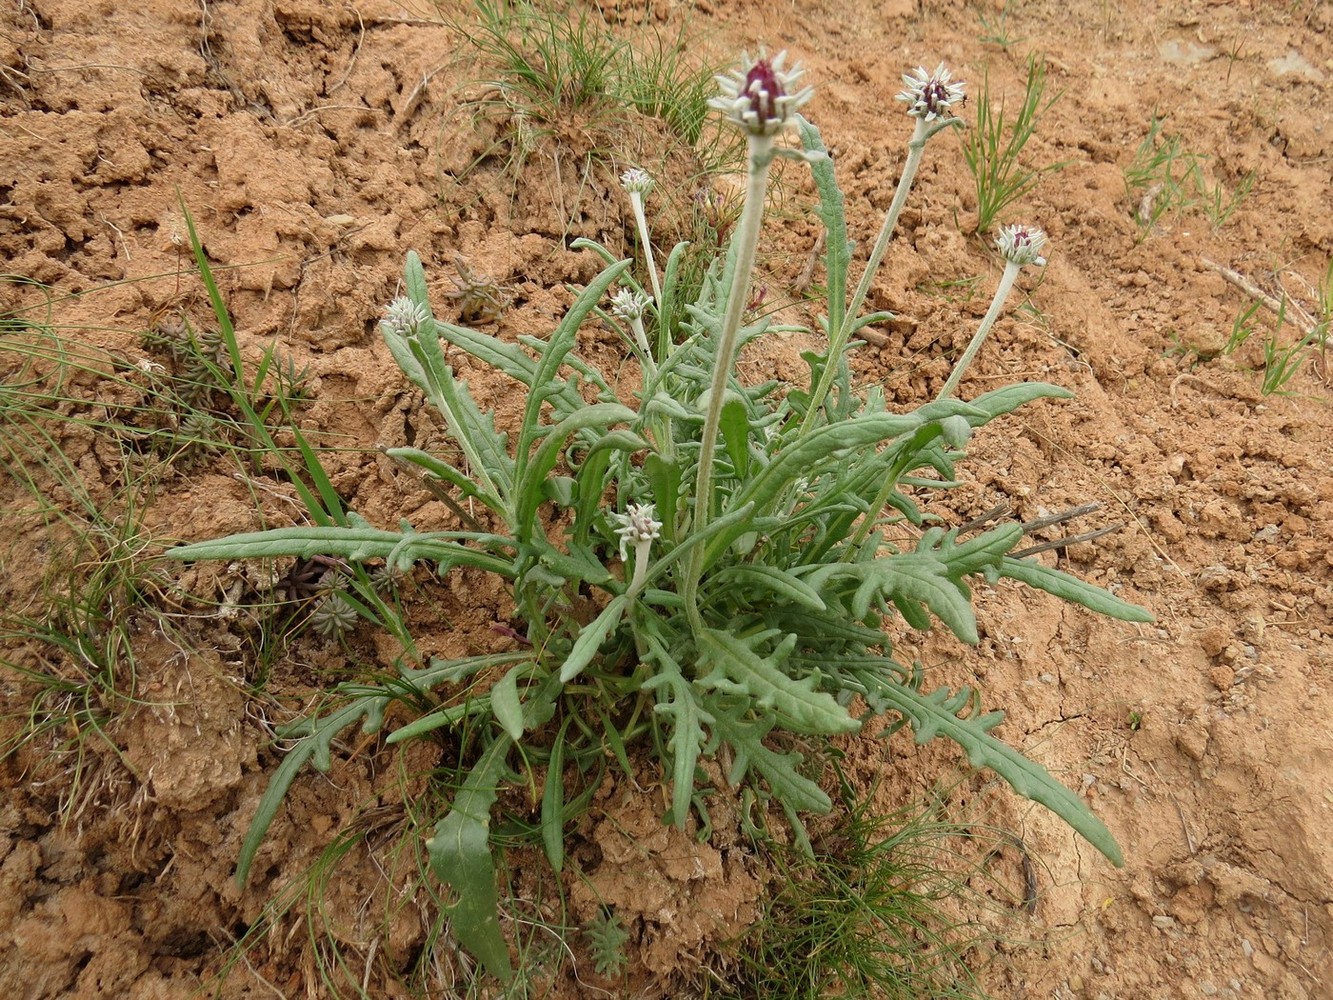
(316,143)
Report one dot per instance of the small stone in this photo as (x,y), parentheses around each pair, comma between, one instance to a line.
(1163,922)
(1192,739)
(1214,640)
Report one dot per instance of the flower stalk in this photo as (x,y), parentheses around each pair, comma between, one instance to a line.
(760,99)
(630,305)
(639,528)
(1019,245)
(929,96)
(638,183)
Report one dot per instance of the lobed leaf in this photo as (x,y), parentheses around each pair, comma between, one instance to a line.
(931,715)
(401,548)
(676,700)
(314,749)
(779,770)
(1072,589)
(775,581)
(796,704)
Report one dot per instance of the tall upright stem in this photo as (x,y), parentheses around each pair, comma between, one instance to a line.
(747,241)
(641,220)
(838,338)
(1011,269)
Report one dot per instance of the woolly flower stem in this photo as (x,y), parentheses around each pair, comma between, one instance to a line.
(645,238)
(838,338)
(916,146)
(1011,269)
(747,241)
(1018,245)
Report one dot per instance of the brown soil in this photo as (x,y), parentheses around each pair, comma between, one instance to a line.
(315,144)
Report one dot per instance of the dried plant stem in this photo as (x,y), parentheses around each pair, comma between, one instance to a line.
(1303,318)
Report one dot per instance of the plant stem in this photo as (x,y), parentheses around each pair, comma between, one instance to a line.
(838,338)
(747,241)
(641,338)
(636,202)
(1011,269)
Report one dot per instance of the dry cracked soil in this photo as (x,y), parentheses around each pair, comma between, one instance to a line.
(316,143)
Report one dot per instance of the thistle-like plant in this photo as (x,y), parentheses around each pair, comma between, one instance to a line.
(743,573)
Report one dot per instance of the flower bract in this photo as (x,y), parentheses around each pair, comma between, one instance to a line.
(636,181)
(929,95)
(404,317)
(638,526)
(759,97)
(629,304)
(1022,244)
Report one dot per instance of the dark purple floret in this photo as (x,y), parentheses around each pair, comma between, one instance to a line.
(935,96)
(763,88)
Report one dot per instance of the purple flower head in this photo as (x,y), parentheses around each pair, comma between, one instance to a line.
(929,95)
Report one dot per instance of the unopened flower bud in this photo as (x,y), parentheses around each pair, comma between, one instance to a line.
(1022,244)
(629,304)
(636,181)
(404,317)
(758,97)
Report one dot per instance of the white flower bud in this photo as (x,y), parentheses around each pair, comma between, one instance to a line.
(1022,244)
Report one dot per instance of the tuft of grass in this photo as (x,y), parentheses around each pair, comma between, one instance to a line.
(1281,363)
(870,913)
(547,61)
(1219,204)
(89,438)
(1165,178)
(993,149)
(561,85)
(996,30)
(77,565)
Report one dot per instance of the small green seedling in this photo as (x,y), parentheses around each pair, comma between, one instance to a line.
(993,148)
(1165,178)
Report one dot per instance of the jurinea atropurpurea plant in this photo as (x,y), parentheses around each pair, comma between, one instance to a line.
(744,572)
